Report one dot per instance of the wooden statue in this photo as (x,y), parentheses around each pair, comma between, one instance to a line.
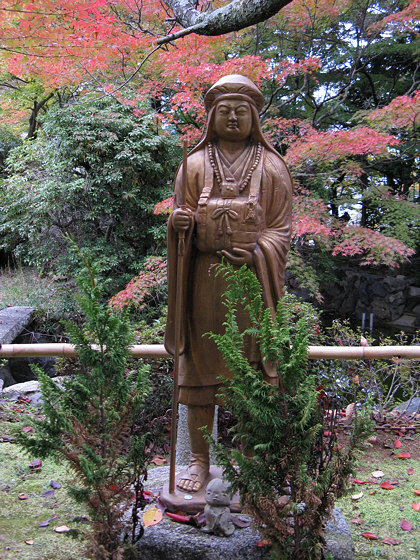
(236,205)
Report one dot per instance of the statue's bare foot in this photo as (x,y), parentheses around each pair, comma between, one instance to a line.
(195,475)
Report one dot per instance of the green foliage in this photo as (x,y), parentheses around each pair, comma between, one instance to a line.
(8,141)
(290,468)
(89,421)
(397,218)
(94,172)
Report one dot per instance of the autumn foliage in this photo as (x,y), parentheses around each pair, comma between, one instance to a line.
(338,79)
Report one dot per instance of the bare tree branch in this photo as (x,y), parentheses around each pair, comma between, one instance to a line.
(236,15)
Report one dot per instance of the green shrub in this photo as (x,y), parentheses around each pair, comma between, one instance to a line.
(90,422)
(291,467)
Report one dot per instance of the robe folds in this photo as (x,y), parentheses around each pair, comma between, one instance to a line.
(201,363)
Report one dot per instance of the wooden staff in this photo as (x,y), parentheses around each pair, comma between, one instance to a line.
(178,315)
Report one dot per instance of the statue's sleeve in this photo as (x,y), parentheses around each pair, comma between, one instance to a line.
(191,198)
(271,253)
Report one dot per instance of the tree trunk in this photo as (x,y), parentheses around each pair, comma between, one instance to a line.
(33,119)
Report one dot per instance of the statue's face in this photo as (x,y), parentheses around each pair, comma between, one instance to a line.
(233,120)
(217,494)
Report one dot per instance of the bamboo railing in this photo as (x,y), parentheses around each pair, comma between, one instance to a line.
(158,351)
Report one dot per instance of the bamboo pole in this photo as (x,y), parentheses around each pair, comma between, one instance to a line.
(158,351)
(69,350)
(363,352)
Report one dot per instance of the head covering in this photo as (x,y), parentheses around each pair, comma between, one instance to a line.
(234,86)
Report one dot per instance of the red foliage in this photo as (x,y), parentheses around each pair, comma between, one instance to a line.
(97,42)
(404,21)
(372,247)
(164,206)
(309,219)
(312,223)
(401,113)
(142,286)
(331,146)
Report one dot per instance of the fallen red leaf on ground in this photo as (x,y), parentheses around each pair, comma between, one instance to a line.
(263,544)
(406,525)
(416,506)
(387,486)
(356,520)
(391,541)
(179,518)
(397,443)
(371,536)
(417,492)
(404,455)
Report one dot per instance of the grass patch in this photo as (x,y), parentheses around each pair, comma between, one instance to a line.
(26,287)
(52,300)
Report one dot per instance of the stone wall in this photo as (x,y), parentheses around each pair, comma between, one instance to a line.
(394,300)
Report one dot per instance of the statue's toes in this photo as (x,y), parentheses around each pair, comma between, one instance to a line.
(183,483)
(188,485)
(196,486)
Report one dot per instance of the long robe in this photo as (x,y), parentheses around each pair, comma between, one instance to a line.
(201,362)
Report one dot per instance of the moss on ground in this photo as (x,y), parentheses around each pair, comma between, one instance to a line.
(20,518)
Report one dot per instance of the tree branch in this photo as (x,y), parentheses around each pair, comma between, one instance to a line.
(237,15)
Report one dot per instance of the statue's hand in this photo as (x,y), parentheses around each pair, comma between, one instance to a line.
(182,219)
(238,256)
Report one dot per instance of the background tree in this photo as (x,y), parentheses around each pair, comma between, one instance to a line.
(94,172)
(339,77)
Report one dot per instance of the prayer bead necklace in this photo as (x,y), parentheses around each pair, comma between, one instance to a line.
(219,172)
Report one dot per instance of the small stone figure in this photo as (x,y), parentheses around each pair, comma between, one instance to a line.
(217,509)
